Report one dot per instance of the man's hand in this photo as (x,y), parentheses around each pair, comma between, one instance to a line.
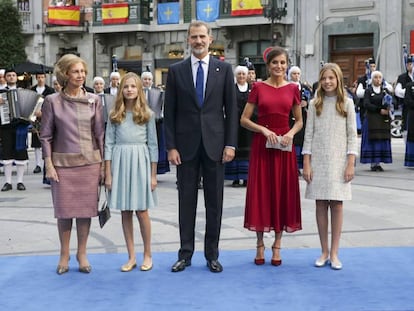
(228,154)
(174,157)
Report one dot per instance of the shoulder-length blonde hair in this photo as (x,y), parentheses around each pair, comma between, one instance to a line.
(340,90)
(141,113)
(63,66)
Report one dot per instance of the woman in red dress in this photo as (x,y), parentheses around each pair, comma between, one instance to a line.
(272,198)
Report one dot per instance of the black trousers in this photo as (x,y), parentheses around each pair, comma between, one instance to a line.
(213,182)
(8,142)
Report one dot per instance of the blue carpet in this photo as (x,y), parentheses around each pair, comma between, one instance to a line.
(372,279)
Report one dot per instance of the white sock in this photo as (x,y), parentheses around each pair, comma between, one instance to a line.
(8,172)
(38,157)
(20,172)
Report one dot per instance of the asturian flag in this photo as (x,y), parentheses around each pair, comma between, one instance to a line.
(246,7)
(208,10)
(168,13)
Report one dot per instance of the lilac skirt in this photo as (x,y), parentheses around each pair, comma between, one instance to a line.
(76,193)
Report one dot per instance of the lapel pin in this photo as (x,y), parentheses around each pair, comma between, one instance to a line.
(217,69)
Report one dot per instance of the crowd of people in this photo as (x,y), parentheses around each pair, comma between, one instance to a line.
(211,121)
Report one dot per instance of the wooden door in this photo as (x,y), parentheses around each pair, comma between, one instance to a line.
(352,64)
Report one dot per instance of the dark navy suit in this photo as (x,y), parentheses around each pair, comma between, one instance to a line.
(200,133)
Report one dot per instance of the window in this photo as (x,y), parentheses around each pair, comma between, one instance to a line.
(352,42)
(23,5)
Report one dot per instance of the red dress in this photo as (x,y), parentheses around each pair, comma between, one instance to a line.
(272,197)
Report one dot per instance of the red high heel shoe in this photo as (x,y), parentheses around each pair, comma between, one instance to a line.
(260,261)
(275,262)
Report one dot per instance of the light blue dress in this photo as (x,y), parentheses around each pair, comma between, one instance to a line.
(131,148)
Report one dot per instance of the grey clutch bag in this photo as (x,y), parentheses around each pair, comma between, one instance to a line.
(278,145)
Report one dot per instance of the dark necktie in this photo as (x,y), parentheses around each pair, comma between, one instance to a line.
(146,91)
(200,83)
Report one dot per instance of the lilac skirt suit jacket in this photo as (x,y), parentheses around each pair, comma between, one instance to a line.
(72,132)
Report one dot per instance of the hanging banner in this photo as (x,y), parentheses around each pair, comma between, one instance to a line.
(168,13)
(246,7)
(208,10)
(114,13)
(64,15)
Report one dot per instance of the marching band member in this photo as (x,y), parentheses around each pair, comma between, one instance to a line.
(43,89)
(14,142)
(400,89)
(376,135)
(294,74)
(409,105)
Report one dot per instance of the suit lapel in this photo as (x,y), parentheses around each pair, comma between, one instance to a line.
(213,70)
(187,74)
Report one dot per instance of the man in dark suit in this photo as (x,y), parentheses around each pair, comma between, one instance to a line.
(201,131)
(43,89)
(363,83)
(114,78)
(155,99)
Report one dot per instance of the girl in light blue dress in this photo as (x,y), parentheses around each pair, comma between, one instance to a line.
(131,155)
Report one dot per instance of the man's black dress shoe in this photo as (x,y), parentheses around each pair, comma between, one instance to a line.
(37,169)
(180,265)
(20,186)
(214,266)
(7,187)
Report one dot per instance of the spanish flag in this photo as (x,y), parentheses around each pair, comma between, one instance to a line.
(114,13)
(64,15)
(246,7)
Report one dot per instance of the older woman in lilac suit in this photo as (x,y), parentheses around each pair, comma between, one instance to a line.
(72,136)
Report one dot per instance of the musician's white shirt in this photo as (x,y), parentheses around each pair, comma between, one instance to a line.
(360,92)
(113,91)
(40,89)
(399,90)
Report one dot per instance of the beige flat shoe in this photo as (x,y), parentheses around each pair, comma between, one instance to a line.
(128,267)
(146,267)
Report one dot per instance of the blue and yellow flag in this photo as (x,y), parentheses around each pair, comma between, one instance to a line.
(168,13)
(208,10)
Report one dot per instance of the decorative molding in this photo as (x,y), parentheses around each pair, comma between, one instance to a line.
(411,2)
(353,6)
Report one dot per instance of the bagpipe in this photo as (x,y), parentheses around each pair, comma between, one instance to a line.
(387,100)
(305,94)
(404,56)
(108,102)
(19,104)
(368,72)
